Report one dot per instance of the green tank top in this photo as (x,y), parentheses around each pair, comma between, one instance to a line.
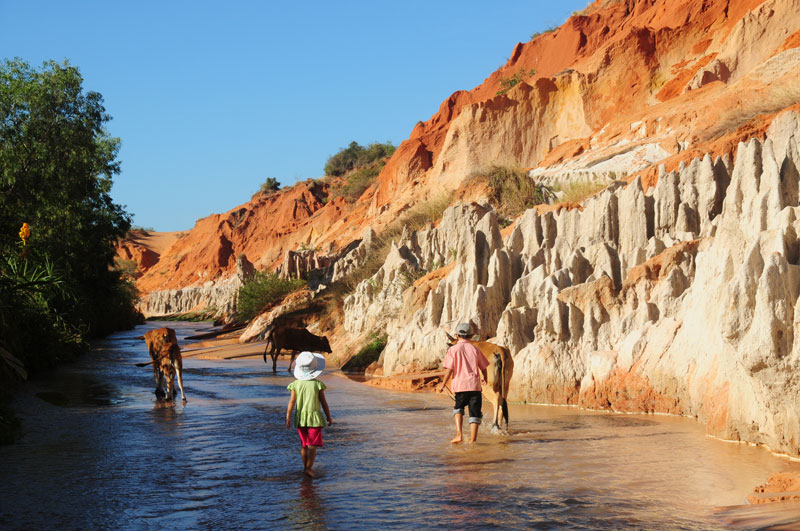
(308,409)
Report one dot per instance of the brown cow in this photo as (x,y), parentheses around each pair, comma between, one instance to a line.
(285,337)
(499,371)
(162,343)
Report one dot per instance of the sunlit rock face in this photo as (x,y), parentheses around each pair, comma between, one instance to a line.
(217,297)
(619,88)
(682,299)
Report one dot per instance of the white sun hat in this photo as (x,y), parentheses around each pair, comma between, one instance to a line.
(308,365)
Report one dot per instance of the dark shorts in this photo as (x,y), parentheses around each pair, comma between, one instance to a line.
(472,399)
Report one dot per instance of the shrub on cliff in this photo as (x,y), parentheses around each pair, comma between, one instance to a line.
(270,185)
(358,181)
(261,291)
(56,167)
(513,192)
(356,156)
(368,354)
(507,83)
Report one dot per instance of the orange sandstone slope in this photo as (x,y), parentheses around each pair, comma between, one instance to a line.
(262,229)
(623,86)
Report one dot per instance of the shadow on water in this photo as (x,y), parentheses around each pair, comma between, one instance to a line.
(80,390)
(105,454)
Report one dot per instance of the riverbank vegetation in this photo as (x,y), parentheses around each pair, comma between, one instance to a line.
(368,354)
(58,223)
(261,291)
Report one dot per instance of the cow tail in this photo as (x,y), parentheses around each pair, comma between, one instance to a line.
(268,337)
(503,401)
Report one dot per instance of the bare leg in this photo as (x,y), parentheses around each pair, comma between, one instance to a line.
(311,454)
(304,455)
(459,423)
(473,431)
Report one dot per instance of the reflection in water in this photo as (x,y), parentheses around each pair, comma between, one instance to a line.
(309,512)
(104,454)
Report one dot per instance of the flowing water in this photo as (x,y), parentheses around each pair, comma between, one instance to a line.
(99,453)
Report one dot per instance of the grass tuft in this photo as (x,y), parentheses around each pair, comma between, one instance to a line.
(513,191)
(577,191)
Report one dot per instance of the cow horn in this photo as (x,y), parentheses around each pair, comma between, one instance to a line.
(449,337)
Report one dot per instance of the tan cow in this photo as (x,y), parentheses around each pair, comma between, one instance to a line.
(162,343)
(498,373)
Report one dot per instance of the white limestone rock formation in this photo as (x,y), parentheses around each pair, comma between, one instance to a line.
(217,295)
(682,299)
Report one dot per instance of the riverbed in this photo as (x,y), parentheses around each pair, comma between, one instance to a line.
(98,452)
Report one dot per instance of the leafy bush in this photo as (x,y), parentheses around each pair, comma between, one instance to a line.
(356,156)
(368,354)
(513,192)
(34,333)
(261,291)
(269,186)
(506,83)
(358,181)
(58,284)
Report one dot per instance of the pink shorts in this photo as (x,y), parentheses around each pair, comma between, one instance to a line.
(310,436)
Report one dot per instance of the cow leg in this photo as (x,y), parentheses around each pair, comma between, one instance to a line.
(291,361)
(156,377)
(170,381)
(274,355)
(160,393)
(179,374)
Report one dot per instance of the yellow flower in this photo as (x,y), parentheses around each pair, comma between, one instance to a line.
(25,233)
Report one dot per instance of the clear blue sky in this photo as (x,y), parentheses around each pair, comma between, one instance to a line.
(211,98)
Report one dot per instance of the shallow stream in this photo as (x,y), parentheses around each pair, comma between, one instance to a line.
(99,453)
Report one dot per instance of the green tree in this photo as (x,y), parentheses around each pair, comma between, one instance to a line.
(270,185)
(357,156)
(57,162)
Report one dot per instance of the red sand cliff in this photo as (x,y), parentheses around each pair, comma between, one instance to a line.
(615,64)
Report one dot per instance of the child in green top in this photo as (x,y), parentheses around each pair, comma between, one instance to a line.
(308,395)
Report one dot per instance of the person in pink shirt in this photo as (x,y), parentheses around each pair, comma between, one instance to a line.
(466,364)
